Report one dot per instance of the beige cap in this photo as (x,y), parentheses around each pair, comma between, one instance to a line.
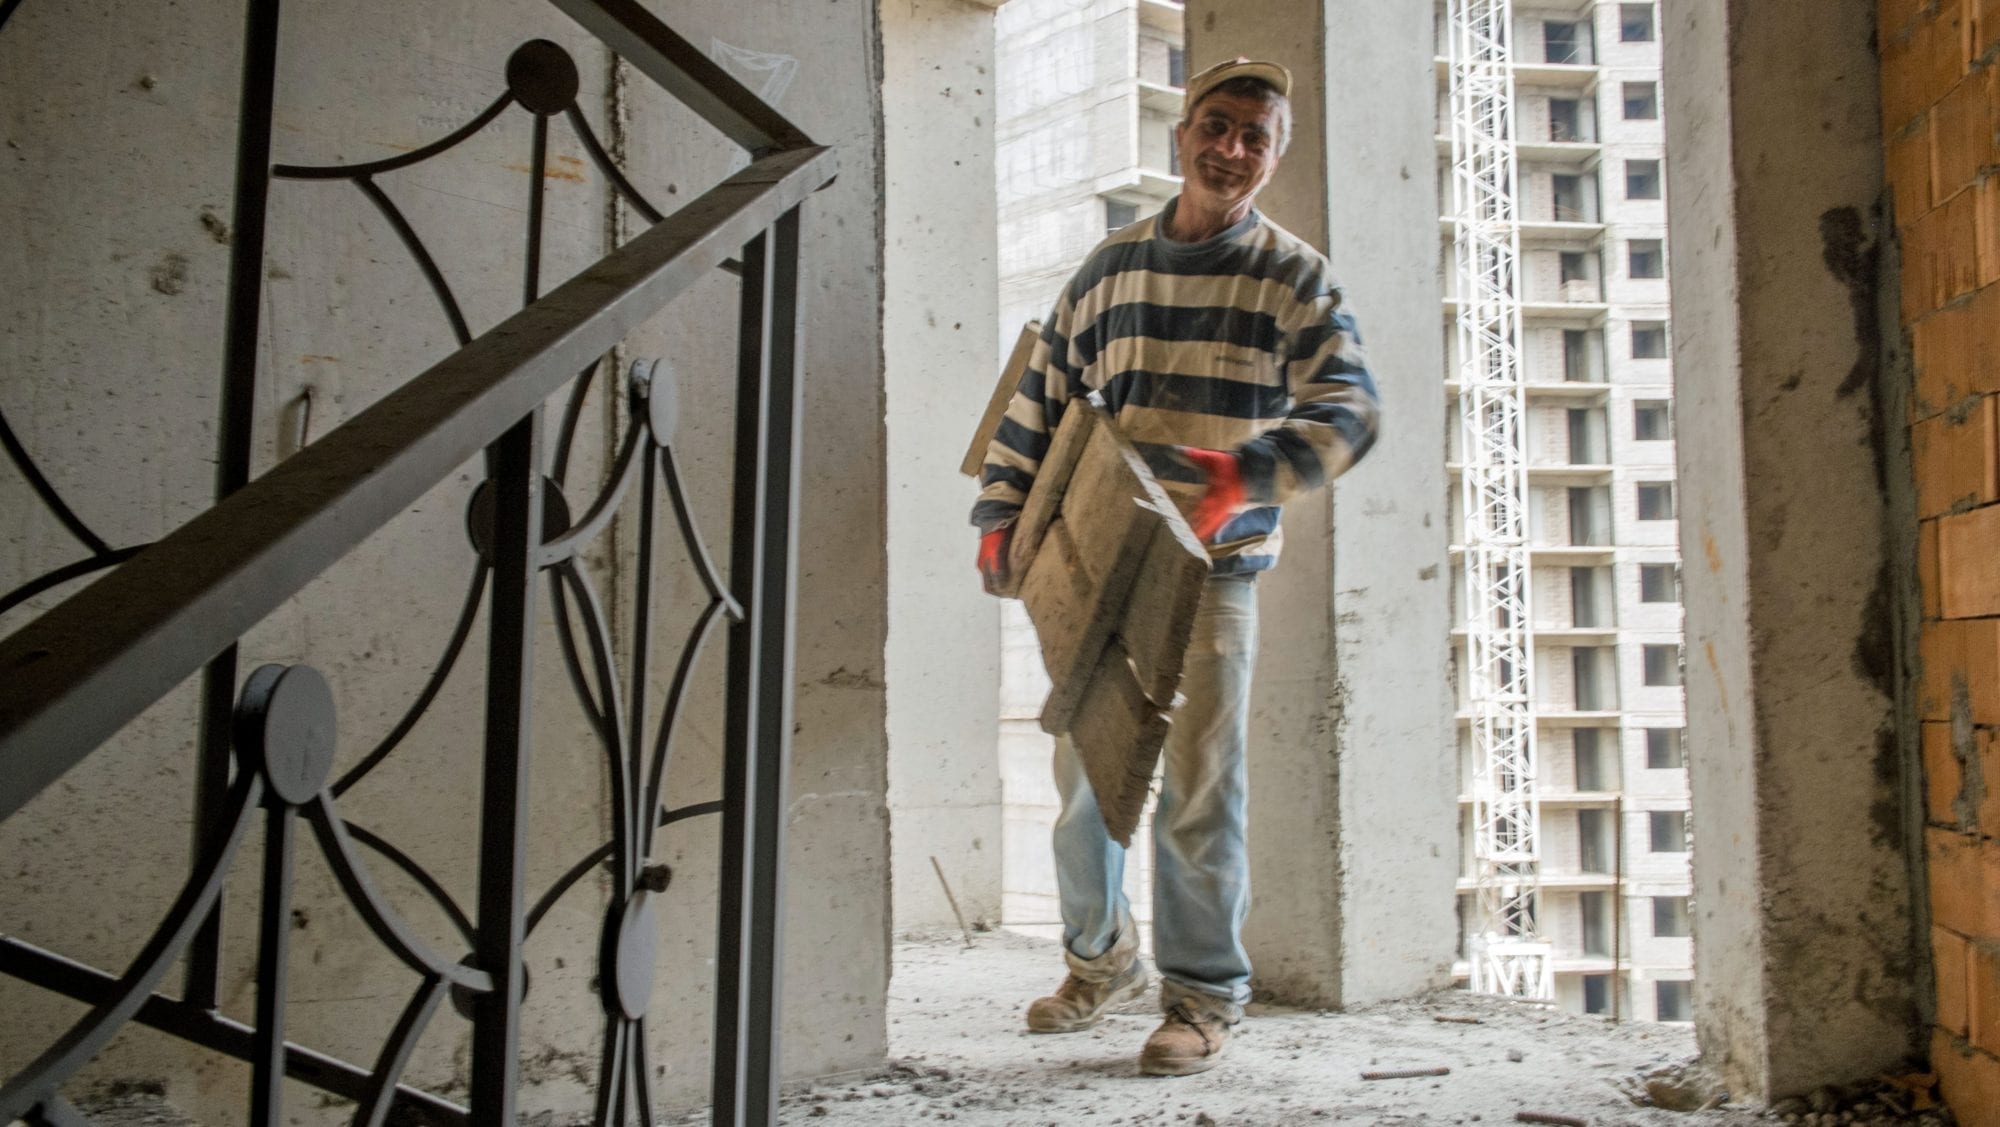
(1239,67)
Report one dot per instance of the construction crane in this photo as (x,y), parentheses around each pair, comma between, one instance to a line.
(1508,952)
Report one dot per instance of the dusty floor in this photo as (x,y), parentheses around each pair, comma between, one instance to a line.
(963,1056)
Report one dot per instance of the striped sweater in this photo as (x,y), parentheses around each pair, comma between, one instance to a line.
(1238,343)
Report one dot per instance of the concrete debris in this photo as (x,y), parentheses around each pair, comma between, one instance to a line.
(1551,1118)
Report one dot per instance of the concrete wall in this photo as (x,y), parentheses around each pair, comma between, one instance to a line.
(941,362)
(121,131)
(1795,582)
(1353,772)
(1938,123)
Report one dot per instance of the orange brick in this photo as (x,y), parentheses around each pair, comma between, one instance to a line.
(1956,351)
(1962,872)
(1987,747)
(1981,33)
(1961,129)
(1908,159)
(1940,657)
(1920,68)
(1960,671)
(1927,568)
(1982,676)
(1957,461)
(1940,257)
(1986,229)
(1893,18)
(1968,559)
(1943,777)
(1982,994)
(1969,1078)
(1951,961)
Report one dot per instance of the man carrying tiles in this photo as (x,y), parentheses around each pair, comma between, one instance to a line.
(1220,347)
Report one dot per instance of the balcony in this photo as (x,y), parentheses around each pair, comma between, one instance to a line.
(1590,314)
(1161,98)
(1169,16)
(1554,76)
(1562,555)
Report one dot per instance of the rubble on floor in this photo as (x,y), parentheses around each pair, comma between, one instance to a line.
(962,1056)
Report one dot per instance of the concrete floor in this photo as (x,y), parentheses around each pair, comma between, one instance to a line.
(961,1055)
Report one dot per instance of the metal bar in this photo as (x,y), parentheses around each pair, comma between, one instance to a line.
(46,490)
(503,817)
(643,784)
(267,1074)
(400,160)
(776,584)
(168,943)
(211,1030)
(538,160)
(684,71)
(78,673)
(740,720)
(237,429)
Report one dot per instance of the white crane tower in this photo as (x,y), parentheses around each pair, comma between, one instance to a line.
(1509,955)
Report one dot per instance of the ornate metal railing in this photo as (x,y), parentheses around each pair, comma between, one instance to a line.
(164,612)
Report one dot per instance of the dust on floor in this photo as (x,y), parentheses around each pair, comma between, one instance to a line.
(961,1055)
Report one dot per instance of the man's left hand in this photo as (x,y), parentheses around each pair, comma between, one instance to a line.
(1218,503)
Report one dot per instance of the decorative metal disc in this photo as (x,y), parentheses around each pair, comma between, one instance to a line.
(542,77)
(285,726)
(479,516)
(631,947)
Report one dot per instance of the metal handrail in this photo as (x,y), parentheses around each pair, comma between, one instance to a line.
(74,676)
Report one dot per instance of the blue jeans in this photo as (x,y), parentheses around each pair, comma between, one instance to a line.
(1201,863)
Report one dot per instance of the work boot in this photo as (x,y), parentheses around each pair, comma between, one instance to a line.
(1080,1002)
(1190,1040)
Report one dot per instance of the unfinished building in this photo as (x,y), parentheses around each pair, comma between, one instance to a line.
(1831,248)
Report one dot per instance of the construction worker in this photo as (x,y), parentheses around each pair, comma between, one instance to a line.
(1222,349)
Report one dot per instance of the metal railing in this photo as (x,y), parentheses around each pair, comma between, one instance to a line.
(163,613)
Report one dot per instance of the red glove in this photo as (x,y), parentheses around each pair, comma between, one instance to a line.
(1225,490)
(993,558)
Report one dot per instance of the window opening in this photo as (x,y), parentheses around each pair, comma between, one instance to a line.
(1670,917)
(1667,831)
(1673,1000)
(1593,853)
(1635,23)
(1642,101)
(1646,258)
(1663,749)
(1662,665)
(1642,179)
(1583,597)
(1597,993)
(1595,908)
(1656,500)
(1652,420)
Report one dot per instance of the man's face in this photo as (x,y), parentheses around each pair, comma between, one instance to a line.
(1229,149)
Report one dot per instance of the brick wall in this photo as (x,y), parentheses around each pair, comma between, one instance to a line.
(1940,110)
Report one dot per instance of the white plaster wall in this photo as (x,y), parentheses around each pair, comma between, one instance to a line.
(941,355)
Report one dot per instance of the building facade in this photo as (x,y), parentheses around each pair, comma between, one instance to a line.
(1601,509)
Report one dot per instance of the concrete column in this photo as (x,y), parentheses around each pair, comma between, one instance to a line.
(1803,932)
(1354,825)
(942,295)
